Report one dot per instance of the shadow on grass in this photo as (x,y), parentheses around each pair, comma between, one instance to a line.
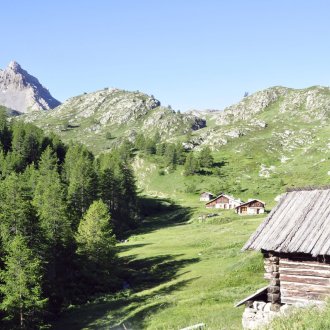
(144,274)
(123,311)
(160,213)
(129,308)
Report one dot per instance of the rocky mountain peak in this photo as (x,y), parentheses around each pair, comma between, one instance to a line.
(14,66)
(23,92)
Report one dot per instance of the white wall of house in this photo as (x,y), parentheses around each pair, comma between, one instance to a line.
(254,210)
(226,206)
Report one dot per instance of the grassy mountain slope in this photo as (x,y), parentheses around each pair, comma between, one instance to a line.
(184,270)
(279,134)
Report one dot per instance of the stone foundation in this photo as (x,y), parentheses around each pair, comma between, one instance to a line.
(261,313)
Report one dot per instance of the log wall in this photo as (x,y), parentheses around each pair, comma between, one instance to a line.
(303,281)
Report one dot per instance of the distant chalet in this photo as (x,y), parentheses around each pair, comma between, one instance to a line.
(295,242)
(223,202)
(206,196)
(252,207)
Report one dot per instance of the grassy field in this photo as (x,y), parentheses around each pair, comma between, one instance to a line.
(181,271)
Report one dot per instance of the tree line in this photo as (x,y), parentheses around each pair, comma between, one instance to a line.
(173,154)
(61,210)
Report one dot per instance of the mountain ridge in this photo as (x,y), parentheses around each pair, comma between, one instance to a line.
(124,114)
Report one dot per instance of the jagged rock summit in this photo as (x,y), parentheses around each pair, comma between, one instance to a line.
(22,92)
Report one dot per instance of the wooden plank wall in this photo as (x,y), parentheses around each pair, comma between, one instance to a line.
(303,281)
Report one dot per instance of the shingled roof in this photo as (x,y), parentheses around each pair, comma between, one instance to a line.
(299,223)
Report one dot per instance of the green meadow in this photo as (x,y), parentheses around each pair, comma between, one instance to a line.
(181,271)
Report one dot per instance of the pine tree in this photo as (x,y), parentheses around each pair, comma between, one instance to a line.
(94,236)
(21,285)
(108,187)
(17,215)
(127,202)
(82,181)
(49,201)
(96,248)
(191,165)
(26,144)
(206,158)
(170,156)
(180,154)
(5,132)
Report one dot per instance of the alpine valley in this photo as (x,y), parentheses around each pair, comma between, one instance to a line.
(183,262)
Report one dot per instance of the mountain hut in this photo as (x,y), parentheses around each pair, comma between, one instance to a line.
(253,206)
(223,202)
(295,242)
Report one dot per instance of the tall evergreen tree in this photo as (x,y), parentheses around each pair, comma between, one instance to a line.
(17,215)
(206,158)
(94,237)
(49,201)
(82,181)
(170,156)
(50,204)
(21,285)
(96,242)
(191,165)
(127,208)
(180,154)
(5,132)
(109,188)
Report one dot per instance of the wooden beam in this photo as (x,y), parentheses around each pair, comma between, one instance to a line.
(305,272)
(305,287)
(305,279)
(304,264)
(302,294)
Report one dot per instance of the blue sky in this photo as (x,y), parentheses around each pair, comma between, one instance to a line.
(188,53)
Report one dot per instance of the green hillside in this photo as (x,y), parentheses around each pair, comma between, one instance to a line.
(270,140)
(181,273)
(184,270)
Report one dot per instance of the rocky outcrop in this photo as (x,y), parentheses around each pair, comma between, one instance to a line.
(122,113)
(19,91)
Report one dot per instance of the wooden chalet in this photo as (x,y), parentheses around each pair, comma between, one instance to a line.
(295,242)
(223,202)
(253,206)
(206,196)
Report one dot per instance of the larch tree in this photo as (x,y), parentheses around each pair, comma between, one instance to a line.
(206,158)
(21,285)
(96,247)
(82,181)
(94,237)
(17,215)
(49,202)
(191,165)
